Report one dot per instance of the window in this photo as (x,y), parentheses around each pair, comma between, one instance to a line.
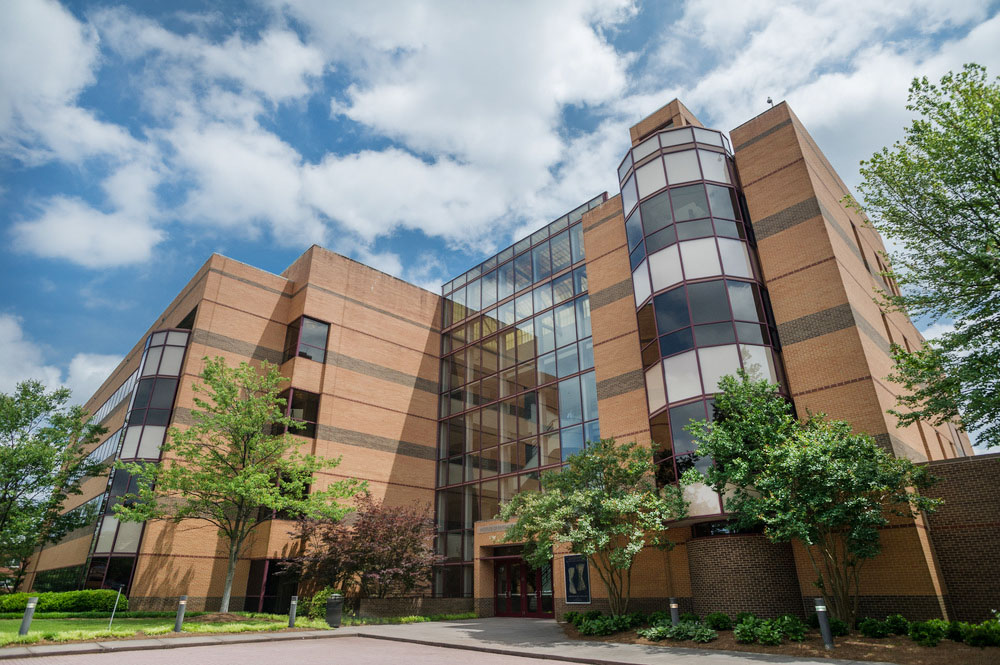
(306,338)
(304,407)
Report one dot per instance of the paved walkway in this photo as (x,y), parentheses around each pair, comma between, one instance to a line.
(497,641)
(544,638)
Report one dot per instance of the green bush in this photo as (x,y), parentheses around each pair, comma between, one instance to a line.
(838,627)
(315,607)
(689,616)
(875,628)
(745,631)
(791,627)
(957,630)
(768,633)
(986,634)
(928,633)
(743,616)
(718,621)
(684,630)
(898,624)
(657,618)
(608,625)
(89,600)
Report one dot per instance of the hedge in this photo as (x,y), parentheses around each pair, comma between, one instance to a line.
(89,600)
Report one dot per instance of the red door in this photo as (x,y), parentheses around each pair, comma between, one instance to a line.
(520,591)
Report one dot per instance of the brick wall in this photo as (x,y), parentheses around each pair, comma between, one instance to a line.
(743,573)
(965,531)
(410,605)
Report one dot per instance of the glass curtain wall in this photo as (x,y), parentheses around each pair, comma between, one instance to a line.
(701,306)
(518,389)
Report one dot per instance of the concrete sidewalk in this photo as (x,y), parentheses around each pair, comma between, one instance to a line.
(544,638)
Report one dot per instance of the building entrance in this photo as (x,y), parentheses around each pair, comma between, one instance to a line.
(520,591)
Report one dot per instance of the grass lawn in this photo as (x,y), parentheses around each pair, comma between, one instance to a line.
(41,625)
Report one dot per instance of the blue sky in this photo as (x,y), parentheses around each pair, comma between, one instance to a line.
(137,138)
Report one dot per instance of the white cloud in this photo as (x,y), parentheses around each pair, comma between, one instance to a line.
(935,330)
(25,360)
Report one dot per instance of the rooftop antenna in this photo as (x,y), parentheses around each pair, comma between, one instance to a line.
(770,102)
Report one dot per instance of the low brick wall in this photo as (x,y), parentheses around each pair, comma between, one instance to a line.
(646,604)
(400,607)
(194,604)
(743,573)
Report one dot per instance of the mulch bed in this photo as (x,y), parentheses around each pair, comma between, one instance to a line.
(901,650)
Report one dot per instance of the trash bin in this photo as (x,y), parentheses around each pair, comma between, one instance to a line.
(334,610)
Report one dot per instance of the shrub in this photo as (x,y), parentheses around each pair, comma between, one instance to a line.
(718,621)
(315,607)
(703,634)
(986,634)
(655,633)
(768,633)
(928,633)
(791,627)
(957,630)
(745,631)
(88,600)
(743,616)
(571,618)
(898,624)
(838,627)
(813,620)
(658,617)
(875,628)
(608,625)
(689,616)
(685,630)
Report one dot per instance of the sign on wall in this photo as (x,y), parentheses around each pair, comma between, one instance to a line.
(577,579)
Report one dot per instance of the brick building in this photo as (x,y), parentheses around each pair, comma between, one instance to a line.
(616,320)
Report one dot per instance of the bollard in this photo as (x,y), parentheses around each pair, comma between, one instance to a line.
(824,624)
(291,612)
(181,606)
(675,615)
(29,612)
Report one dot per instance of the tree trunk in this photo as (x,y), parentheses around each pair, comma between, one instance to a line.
(227,591)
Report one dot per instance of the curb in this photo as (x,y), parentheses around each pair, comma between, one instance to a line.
(147,644)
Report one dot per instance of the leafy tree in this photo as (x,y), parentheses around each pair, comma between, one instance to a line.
(229,468)
(605,506)
(936,195)
(42,463)
(385,551)
(814,482)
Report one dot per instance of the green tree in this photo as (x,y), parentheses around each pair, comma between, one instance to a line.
(815,482)
(42,462)
(229,468)
(936,195)
(605,506)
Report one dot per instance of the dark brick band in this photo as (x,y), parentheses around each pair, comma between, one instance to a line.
(237,346)
(785,219)
(619,291)
(621,384)
(764,134)
(814,325)
(602,220)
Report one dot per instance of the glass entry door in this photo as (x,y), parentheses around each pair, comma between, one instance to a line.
(520,591)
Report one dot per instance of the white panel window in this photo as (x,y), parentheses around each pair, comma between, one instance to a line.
(665,268)
(177,337)
(682,376)
(702,500)
(647,147)
(128,537)
(675,137)
(717,362)
(758,362)
(640,283)
(682,166)
(152,437)
(131,444)
(172,356)
(707,136)
(735,258)
(713,164)
(152,360)
(629,197)
(655,390)
(107,534)
(700,258)
(650,178)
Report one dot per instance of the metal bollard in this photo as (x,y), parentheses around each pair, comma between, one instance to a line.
(181,606)
(291,612)
(29,612)
(824,624)
(675,613)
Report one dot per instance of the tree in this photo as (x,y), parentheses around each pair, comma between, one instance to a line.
(229,468)
(386,551)
(936,195)
(42,462)
(814,482)
(605,506)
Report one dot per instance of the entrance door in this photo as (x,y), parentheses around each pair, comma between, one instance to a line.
(520,591)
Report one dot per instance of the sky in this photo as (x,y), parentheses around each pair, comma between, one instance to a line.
(417,137)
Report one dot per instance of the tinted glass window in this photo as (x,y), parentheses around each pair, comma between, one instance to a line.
(689,202)
(314,333)
(681,416)
(708,302)
(163,394)
(633,229)
(671,310)
(541,261)
(723,201)
(656,213)
(562,257)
